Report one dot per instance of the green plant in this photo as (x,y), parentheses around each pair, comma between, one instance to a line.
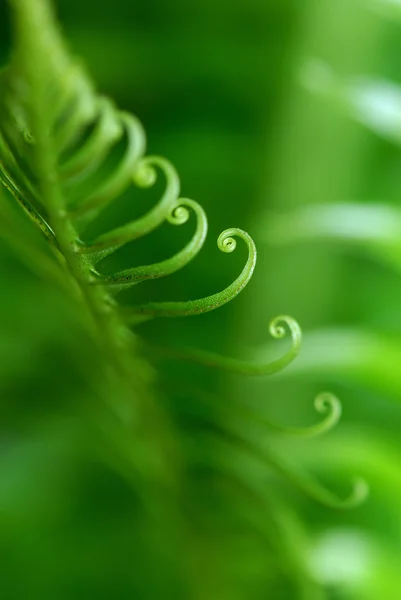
(67,154)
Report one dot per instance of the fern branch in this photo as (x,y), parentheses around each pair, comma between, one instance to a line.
(56,140)
(129,277)
(236,365)
(324,403)
(303,481)
(225,243)
(144,176)
(39,62)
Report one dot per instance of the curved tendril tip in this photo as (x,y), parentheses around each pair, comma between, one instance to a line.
(358,494)
(226,243)
(178,216)
(244,367)
(145,176)
(307,484)
(324,403)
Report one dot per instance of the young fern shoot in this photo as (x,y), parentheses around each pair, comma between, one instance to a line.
(57,136)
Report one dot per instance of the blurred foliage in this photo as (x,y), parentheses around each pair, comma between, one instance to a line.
(282,118)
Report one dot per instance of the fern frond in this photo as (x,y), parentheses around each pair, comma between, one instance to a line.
(316,491)
(58,160)
(67,153)
(179,215)
(225,243)
(325,402)
(244,367)
(229,446)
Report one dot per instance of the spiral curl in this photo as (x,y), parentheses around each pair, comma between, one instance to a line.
(239,366)
(146,175)
(302,480)
(195,307)
(179,215)
(233,440)
(325,402)
(316,491)
(225,242)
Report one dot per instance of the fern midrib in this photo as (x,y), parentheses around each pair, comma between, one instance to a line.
(143,424)
(112,332)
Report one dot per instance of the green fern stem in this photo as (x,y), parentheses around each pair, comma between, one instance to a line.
(144,176)
(121,280)
(130,397)
(240,366)
(226,243)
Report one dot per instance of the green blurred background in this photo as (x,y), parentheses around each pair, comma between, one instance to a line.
(282,118)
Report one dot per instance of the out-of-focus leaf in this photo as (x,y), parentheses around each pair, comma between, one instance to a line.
(374,102)
(374,229)
(386,8)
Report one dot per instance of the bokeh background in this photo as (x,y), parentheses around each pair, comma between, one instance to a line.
(282,118)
